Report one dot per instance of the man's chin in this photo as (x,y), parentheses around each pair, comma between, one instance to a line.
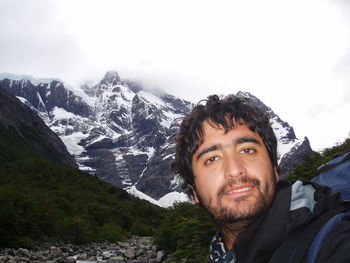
(243,208)
(227,220)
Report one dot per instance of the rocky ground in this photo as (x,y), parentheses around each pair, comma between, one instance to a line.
(135,250)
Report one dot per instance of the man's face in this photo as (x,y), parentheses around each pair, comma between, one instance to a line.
(233,175)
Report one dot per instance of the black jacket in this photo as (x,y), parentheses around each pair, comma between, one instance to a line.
(265,235)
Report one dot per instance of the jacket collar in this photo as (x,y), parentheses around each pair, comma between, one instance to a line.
(293,206)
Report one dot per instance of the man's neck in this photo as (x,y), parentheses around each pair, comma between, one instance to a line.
(230,233)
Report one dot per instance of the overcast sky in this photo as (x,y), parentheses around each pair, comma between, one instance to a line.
(292,54)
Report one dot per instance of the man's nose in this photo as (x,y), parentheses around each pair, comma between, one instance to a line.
(234,166)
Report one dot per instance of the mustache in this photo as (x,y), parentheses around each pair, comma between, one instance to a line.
(236,181)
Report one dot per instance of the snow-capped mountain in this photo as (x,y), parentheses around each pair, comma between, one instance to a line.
(291,150)
(123,133)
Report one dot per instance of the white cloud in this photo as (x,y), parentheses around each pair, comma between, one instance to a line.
(293,55)
(34,42)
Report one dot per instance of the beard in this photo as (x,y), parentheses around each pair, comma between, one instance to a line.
(239,209)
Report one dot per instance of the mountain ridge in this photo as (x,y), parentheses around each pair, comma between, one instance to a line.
(26,133)
(123,133)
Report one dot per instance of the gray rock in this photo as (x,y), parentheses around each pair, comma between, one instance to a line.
(114,246)
(22,252)
(4,258)
(60,260)
(117,259)
(70,260)
(82,257)
(106,255)
(55,252)
(134,250)
(8,251)
(129,253)
(160,256)
(42,258)
(123,244)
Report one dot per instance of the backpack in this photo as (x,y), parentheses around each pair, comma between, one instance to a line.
(336,175)
(303,246)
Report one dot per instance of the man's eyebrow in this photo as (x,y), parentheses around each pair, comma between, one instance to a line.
(206,150)
(237,141)
(246,139)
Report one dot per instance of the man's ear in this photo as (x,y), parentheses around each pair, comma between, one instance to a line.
(277,175)
(195,195)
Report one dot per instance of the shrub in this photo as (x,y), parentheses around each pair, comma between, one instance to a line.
(186,232)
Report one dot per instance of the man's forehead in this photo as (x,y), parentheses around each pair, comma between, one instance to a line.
(210,129)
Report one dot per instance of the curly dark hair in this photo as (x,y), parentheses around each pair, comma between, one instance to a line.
(225,112)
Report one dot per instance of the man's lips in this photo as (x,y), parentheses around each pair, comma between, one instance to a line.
(238,189)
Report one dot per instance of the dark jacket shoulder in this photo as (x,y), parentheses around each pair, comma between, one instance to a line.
(336,247)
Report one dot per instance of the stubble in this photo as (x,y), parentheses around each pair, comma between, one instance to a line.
(240,210)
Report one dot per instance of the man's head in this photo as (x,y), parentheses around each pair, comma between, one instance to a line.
(226,153)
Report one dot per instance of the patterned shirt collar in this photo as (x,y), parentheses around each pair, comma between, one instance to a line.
(218,252)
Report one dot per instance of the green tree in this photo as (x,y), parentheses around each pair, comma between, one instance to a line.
(185,232)
(308,168)
(41,200)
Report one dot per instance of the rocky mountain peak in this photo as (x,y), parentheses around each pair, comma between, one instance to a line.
(256,101)
(111,78)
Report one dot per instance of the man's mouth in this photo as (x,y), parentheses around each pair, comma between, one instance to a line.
(239,189)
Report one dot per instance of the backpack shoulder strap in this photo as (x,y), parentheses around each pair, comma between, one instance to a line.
(320,237)
(295,248)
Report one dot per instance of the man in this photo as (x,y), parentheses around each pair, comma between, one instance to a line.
(226,154)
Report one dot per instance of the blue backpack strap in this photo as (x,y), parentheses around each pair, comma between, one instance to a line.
(296,248)
(320,237)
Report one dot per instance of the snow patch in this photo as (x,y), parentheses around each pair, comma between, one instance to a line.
(63,114)
(127,94)
(150,151)
(99,138)
(168,156)
(283,146)
(80,93)
(27,103)
(170,117)
(86,169)
(171,198)
(71,142)
(23,100)
(150,98)
(167,200)
(133,191)
(176,182)
(280,131)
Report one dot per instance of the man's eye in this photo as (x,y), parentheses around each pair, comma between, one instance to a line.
(248,151)
(211,160)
